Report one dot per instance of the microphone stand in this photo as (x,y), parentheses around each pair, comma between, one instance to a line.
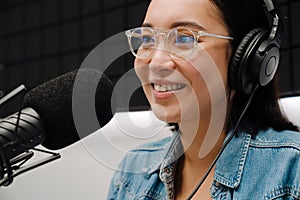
(13,93)
(10,168)
(5,165)
(18,169)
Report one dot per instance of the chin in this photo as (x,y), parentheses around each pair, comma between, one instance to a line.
(165,114)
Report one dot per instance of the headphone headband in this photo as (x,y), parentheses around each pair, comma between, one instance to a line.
(269,4)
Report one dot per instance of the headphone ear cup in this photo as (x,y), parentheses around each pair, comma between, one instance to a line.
(238,60)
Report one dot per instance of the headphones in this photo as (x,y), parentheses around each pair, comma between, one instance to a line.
(256,58)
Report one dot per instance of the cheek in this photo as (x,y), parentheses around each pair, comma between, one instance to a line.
(221,57)
(142,70)
(208,75)
(223,69)
(200,89)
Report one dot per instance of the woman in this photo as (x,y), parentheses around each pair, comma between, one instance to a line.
(186,58)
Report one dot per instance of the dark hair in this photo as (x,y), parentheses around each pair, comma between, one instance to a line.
(242,16)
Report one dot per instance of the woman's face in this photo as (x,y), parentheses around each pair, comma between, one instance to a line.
(180,90)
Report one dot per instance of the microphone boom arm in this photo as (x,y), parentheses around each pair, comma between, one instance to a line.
(20,170)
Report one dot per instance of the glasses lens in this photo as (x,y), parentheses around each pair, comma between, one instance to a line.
(142,42)
(181,42)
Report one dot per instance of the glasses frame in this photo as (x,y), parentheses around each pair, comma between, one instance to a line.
(166,32)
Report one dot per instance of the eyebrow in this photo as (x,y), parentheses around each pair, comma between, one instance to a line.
(187,24)
(193,25)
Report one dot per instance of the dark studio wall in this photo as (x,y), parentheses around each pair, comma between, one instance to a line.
(41,39)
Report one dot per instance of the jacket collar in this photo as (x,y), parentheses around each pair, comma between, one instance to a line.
(171,153)
(230,165)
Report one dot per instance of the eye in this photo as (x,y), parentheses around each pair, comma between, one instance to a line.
(183,38)
(147,40)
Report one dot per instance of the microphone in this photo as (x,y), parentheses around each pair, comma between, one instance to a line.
(47,118)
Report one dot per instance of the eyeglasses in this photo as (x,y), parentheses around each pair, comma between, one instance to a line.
(180,42)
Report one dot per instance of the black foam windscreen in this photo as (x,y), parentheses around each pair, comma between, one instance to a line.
(54,102)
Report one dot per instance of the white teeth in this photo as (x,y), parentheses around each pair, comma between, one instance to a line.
(156,87)
(174,86)
(169,87)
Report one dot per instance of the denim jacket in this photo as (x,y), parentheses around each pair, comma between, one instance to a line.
(266,166)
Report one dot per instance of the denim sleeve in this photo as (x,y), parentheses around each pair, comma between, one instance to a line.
(114,187)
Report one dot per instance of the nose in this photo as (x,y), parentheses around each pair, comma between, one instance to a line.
(161,62)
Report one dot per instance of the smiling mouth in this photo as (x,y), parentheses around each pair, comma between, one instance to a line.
(167,87)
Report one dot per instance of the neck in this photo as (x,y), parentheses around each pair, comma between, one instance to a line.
(201,142)
(192,167)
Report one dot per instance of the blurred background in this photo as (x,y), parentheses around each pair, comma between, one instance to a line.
(41,39)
